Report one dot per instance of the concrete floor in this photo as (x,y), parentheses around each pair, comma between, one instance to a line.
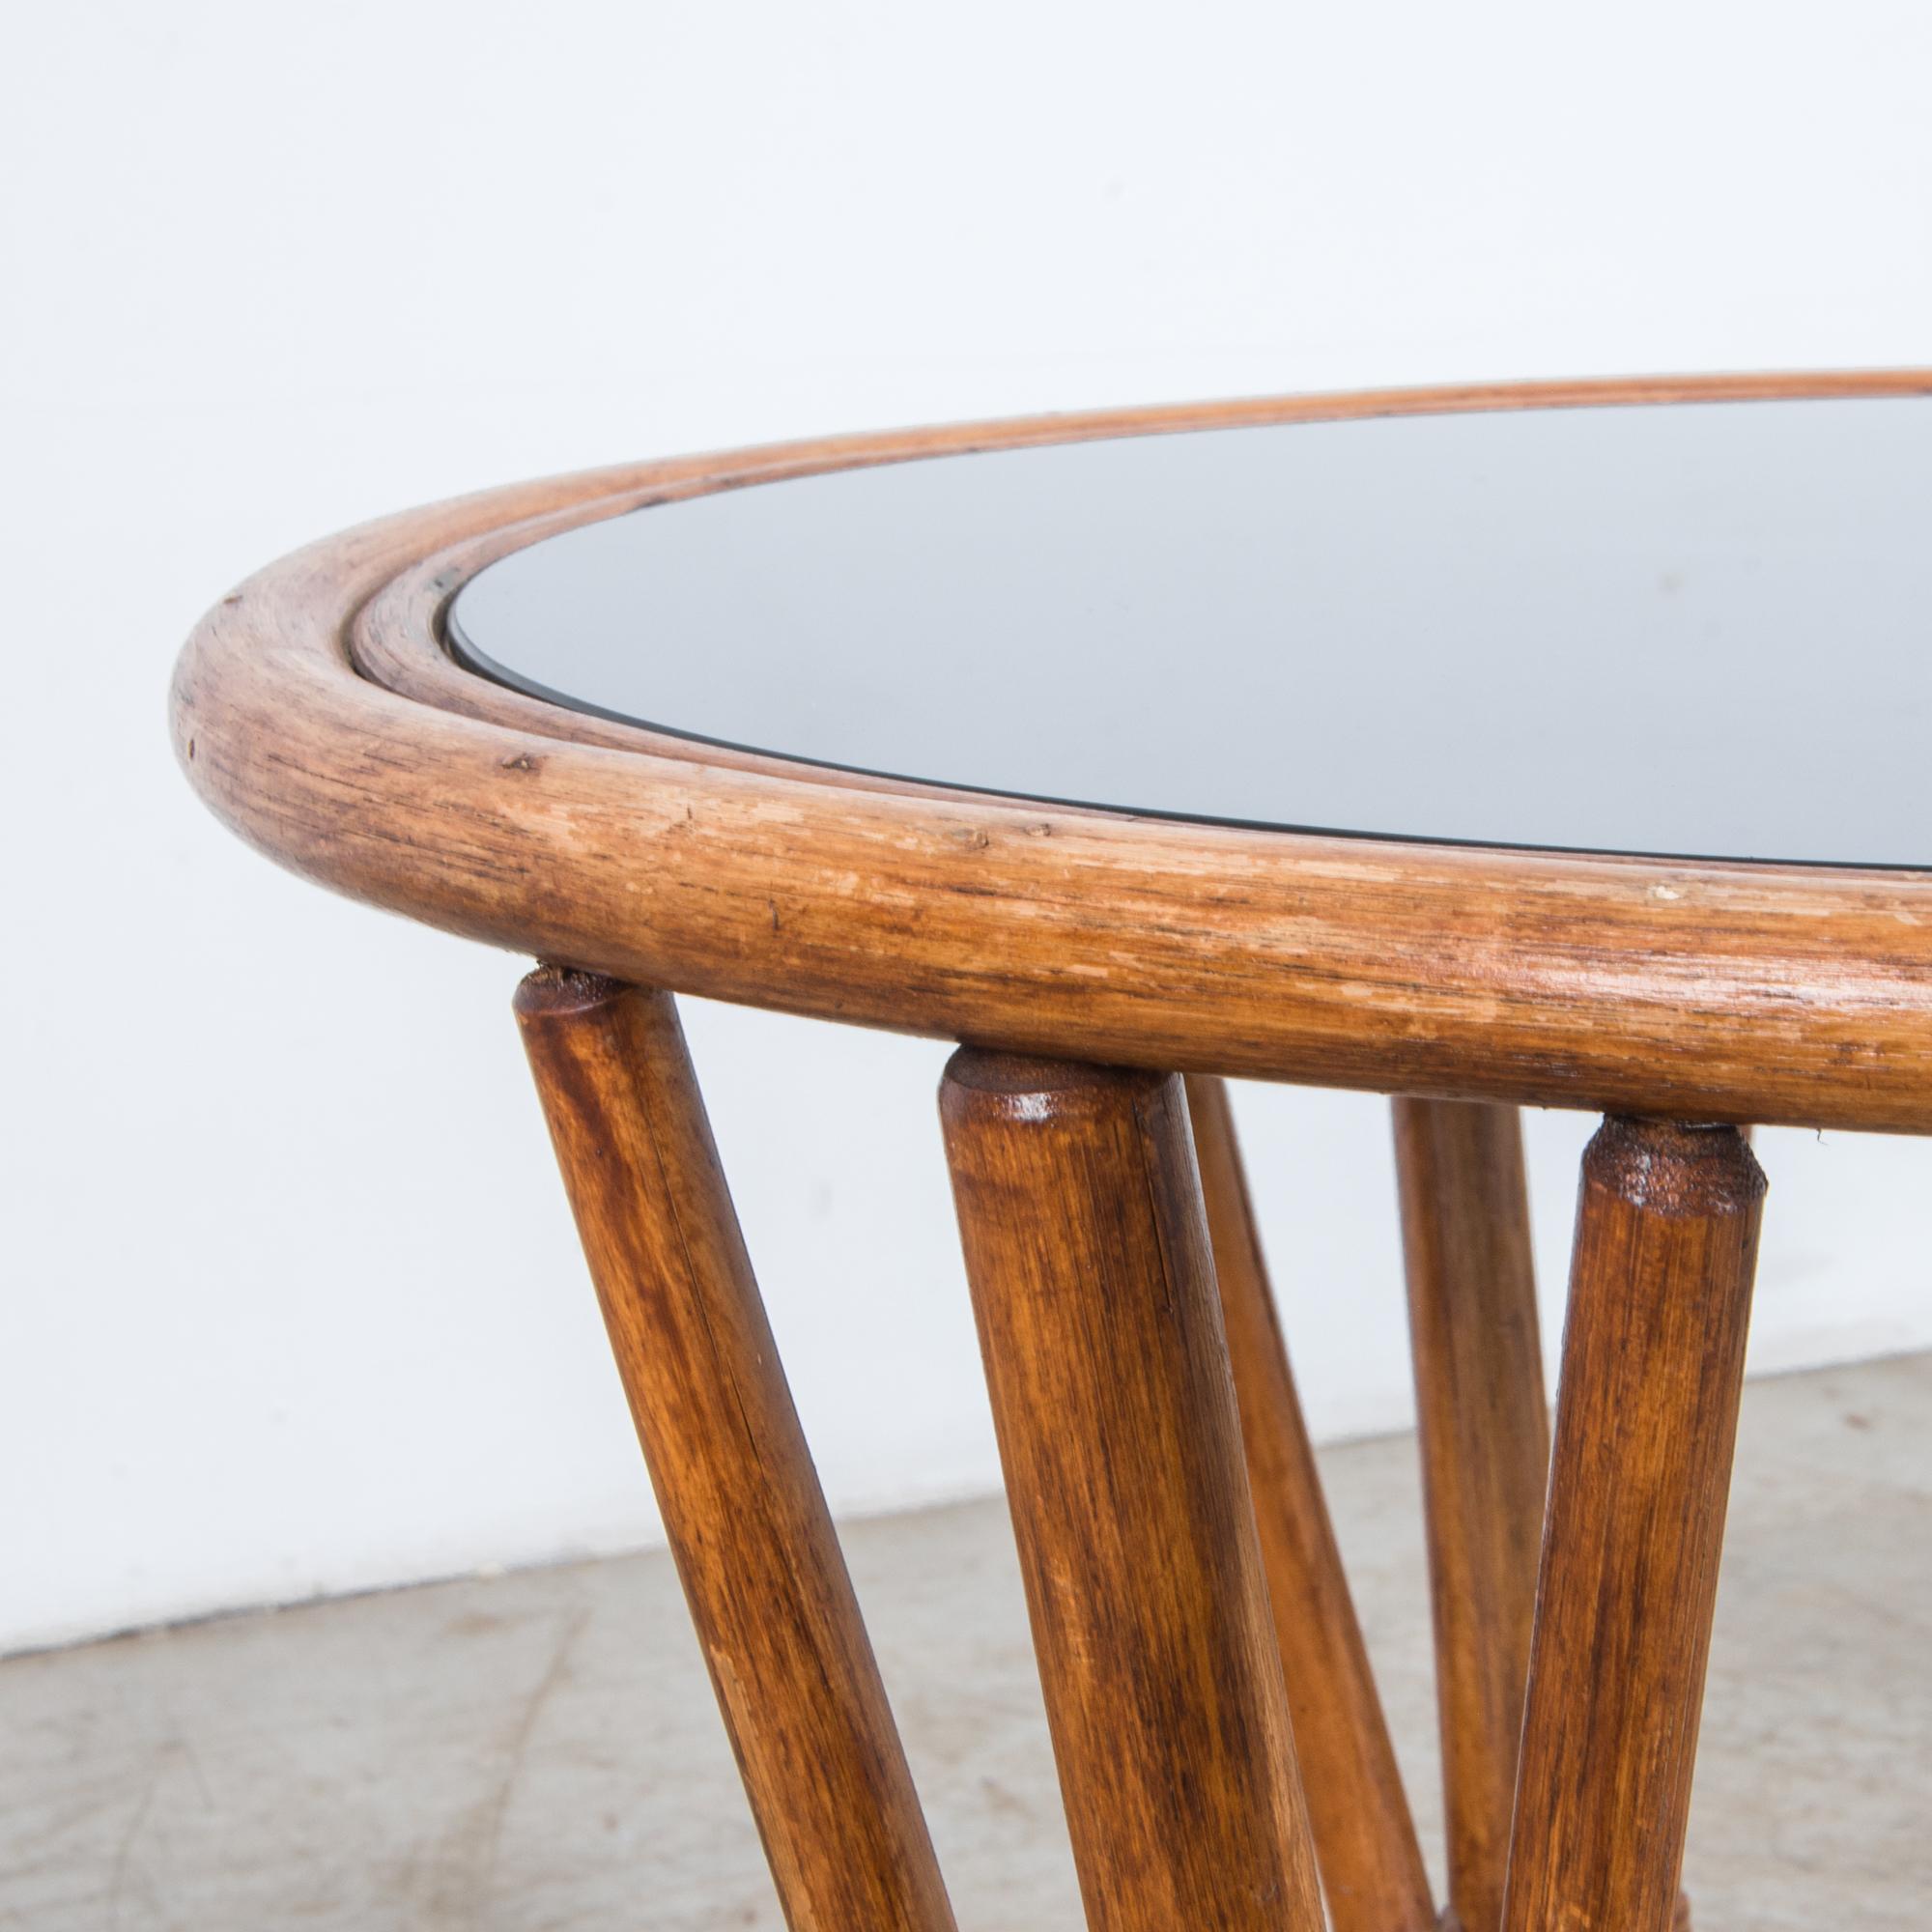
(540,1751)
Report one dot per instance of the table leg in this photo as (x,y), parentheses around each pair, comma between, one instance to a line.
(1086,1246)
(1646,1423)
(1484,1431)
(1373,1875)
(761,1568)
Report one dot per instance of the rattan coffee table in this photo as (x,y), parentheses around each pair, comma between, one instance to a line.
(1557,746)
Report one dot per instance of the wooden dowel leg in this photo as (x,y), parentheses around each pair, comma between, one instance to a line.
(1484,1427)
(1365,1844)
(1087,1250)
(1646,1422)
(768,1590)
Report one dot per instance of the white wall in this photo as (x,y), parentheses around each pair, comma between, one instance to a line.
(291,1302)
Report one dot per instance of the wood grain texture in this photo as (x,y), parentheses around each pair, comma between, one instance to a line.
(315,712)
(1373,1875)
(1484,1432)
(1646,1421)
(1093,1288)
(768,1590)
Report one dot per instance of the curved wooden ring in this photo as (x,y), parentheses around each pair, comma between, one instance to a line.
(315,711)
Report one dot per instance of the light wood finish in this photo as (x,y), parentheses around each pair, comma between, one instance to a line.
(1094,1287)
(1365,1844)
(1484,1430)
(1647,1406)
(314,711)
(767,1586)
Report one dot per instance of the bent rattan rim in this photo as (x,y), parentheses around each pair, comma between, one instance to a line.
(315,712)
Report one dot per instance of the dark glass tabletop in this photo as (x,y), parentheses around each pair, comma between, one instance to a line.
(1689,630)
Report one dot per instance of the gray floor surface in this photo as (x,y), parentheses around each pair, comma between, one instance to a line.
(540,1750)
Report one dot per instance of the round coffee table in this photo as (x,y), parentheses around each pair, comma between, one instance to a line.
(1490,746)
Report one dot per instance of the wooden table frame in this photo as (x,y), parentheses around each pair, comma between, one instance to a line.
(1219,1739)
